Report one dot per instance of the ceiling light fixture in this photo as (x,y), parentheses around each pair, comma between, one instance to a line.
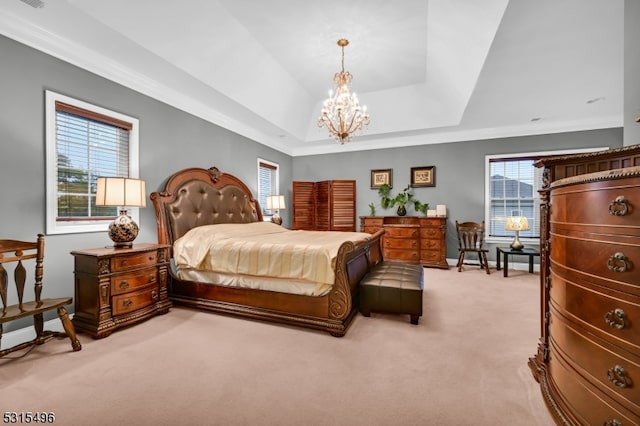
(341,113)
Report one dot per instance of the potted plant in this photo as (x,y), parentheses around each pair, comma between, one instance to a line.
(372,209)
(419,207)
(401,199)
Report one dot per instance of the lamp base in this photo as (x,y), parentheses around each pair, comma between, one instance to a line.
(517,244)
(276,219)
(123,231)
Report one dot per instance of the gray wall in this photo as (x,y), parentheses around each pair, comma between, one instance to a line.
(170,140)
(460,171)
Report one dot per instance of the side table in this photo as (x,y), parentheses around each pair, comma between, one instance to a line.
(117,287)
(509,251)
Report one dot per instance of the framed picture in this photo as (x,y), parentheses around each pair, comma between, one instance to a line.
(380,177)
(423,176)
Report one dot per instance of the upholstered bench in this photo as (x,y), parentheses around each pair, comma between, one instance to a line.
(393,287)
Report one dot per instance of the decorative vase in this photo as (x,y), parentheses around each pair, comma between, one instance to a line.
(402,210)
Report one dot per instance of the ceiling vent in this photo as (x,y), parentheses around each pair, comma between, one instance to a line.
(34,3)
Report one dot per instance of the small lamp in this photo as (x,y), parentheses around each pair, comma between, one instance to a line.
(121,192)
(517,224)
(276,202)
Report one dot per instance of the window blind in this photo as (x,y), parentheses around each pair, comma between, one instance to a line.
(513,191)
(88,145)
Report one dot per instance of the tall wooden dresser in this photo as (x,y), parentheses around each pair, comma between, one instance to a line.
(324,206)
(410,238)
(588,358)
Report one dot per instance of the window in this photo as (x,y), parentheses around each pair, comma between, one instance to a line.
(85,142)
(512,185)
(513,191)
(268,184)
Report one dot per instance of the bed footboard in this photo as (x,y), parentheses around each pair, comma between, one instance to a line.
(353,262)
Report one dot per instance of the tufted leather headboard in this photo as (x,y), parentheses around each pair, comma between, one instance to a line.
(195,197)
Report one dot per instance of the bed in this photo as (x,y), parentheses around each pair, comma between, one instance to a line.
(200,213)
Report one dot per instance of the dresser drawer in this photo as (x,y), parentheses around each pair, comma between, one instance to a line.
(590,254)
(433,222)
(614,314)
(402,231)
(588,403)
(127,282)
(399,254)
(402,243)
(431,233)
(614,203)
(371,229)
(373,221)
(606,366)
(431,244)
(133,301)
(131,261)
(430,256)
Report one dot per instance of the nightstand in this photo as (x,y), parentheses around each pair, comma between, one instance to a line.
(118,287)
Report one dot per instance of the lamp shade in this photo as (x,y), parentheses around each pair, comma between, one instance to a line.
(120,191)
(275,202)
(517,223)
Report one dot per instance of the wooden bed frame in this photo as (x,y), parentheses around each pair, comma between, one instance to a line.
(195,197)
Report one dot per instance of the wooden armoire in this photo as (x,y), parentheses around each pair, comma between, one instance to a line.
(588,357)
(328,205)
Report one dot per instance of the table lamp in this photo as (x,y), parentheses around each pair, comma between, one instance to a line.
(517,224)
(121,192)
(276,202)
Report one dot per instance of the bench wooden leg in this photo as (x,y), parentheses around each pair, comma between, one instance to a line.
(415,319)
(69,328)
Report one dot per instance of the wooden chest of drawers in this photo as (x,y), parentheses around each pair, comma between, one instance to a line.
(411,239)
(588,363)
(116,287)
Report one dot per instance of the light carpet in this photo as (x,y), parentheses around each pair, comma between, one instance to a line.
(464,364)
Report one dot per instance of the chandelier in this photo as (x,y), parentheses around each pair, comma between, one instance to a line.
(341,112)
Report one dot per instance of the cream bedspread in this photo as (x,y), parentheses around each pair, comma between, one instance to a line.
(263,249)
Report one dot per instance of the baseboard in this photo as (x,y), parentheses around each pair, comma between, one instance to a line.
(517,266)
(25,334)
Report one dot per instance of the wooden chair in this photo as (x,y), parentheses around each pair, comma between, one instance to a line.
(17,253)
(470,240)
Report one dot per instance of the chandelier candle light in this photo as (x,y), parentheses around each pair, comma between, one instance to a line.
(341,113)
(517,224)
(121,192)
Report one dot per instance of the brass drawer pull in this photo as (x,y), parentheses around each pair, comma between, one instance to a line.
(617,262)
(154,294)
(615,318)
(152,278)
(124,284)
(619,206)
(618,376)
(612,422)
(127,302)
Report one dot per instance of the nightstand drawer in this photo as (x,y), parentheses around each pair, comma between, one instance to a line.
(133,301)
(129,282)
(132,261)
